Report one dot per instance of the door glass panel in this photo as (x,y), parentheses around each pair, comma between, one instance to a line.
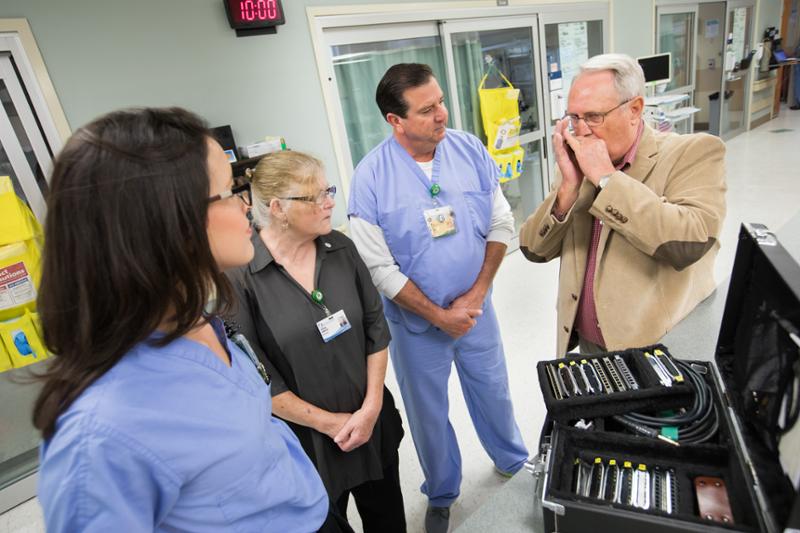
(359,68)
(675,36)
(568,45)
(23,139)
(739,33)
(511,51)
(710,39)
(18,447)
(525,193)
(734,97)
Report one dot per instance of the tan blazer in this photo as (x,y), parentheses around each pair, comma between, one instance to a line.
(661,222)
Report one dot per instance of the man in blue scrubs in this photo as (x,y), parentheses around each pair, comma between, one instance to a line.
(431,223)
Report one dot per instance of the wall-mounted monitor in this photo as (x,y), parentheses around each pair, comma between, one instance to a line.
(657,68)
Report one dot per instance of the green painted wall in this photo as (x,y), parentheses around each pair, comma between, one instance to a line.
(769,14)
(633,27)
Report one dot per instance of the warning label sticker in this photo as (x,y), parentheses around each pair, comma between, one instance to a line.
(16,286)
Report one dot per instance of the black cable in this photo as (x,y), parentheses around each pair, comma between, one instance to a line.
(699,423)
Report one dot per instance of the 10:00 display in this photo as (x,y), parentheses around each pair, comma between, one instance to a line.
(251,10)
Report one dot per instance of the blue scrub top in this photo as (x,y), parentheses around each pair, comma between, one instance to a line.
(390,190)
(171,439)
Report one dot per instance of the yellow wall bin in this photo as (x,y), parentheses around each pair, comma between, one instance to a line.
(17,222)
(509,163)
(20,256)
(501,123)
(19,275)
(22,342)
(5,360)
(37,324)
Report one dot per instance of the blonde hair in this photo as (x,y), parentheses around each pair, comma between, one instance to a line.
(279,175)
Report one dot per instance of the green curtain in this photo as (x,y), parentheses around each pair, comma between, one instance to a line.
(359,68)
(468,58)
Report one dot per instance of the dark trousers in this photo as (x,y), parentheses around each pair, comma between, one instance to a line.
(335,522)
(379,503)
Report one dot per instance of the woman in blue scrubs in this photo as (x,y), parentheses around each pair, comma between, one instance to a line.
(152,419)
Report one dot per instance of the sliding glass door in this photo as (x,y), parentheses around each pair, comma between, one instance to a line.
(500,47)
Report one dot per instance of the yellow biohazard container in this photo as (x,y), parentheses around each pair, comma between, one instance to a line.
(37,324)
(19,276)
(5,360)
(22,341)
(17,223)
(20,253)
(510,163)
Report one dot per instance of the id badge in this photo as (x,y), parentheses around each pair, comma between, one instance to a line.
(441,221)
(334,325)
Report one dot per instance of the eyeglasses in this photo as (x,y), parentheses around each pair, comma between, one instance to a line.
(242,191)
(319,198)
(592,118)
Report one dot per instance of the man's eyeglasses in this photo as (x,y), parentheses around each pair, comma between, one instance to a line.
(318,199)
(242,191)
(592,118)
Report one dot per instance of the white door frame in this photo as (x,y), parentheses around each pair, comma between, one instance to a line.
(16,156)
(370,18)
(17,38)
(730,6)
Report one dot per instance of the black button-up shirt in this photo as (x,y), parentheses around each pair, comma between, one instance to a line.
(278,317)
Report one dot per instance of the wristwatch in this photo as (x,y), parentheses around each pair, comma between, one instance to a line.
(601,183)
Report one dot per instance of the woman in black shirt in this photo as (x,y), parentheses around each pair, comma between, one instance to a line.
(308,306)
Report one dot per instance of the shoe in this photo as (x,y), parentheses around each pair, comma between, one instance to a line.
(503,473)
(437,519)
(794,107)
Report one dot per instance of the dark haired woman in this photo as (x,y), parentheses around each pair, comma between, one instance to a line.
(152,420)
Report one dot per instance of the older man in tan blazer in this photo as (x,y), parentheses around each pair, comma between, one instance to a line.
(635,215)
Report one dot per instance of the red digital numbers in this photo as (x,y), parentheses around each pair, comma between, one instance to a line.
(251,10)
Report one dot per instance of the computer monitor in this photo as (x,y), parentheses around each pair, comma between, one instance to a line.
(657,68)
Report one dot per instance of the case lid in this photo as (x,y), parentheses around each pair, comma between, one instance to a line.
(758,356)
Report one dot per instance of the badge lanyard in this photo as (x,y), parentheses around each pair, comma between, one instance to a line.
(435,189)
(233,333)
(242,342)
(319,299)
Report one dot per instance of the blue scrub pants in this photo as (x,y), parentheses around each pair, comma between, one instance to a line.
(422,363)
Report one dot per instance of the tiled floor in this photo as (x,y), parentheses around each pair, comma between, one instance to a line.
(764,186)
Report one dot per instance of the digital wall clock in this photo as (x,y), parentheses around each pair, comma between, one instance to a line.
(254,17)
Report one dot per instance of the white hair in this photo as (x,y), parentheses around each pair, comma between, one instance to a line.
(628,75)
(260,211)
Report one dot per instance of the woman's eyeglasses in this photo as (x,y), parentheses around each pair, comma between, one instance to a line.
(242,191)
(318,199)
